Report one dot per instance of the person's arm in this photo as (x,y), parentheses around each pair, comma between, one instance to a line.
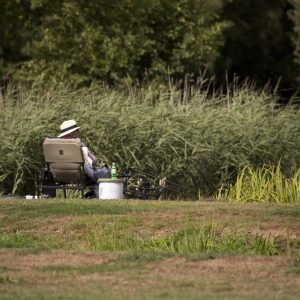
(90,155)
(93,158)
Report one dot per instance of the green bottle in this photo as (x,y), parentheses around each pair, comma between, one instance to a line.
(113,171)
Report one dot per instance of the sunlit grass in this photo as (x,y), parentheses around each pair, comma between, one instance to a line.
(266,184)
(123,225)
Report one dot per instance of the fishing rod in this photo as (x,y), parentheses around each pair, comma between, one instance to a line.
(143,184)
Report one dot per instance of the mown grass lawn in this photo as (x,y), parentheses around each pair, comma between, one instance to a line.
(133,249)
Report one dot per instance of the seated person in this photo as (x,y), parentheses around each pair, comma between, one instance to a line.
(70,130)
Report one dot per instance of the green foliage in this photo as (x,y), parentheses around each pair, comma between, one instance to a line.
(15,23)
(263,185)
(200,144)
(75,42)
(211,239)
(258,44)
(294,15)
(16,240)
(187,240)
(79,42)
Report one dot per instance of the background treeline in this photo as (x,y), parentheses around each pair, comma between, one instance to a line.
(78,41)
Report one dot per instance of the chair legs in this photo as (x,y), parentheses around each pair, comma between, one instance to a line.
(51,188)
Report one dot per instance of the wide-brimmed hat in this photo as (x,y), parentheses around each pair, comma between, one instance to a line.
(68,127)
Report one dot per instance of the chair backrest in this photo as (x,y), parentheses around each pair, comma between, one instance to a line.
(64,158)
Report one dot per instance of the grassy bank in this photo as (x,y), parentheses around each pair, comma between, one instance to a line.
(133,225)
(75,249)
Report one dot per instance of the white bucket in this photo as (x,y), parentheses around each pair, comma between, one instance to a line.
(108,188)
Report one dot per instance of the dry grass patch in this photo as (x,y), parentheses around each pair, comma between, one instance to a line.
(230,276)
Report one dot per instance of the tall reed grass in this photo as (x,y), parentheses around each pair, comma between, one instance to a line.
(266,184)
(186,136)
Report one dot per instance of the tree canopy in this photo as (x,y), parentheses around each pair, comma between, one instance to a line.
(294,15)
(259,44)
(78,41)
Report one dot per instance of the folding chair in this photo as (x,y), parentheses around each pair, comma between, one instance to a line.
(64,163)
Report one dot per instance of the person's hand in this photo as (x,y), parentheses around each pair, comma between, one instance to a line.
(101,165)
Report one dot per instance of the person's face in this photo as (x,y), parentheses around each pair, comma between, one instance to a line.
(75,134)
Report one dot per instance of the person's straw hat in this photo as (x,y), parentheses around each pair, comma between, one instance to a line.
(68,127)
